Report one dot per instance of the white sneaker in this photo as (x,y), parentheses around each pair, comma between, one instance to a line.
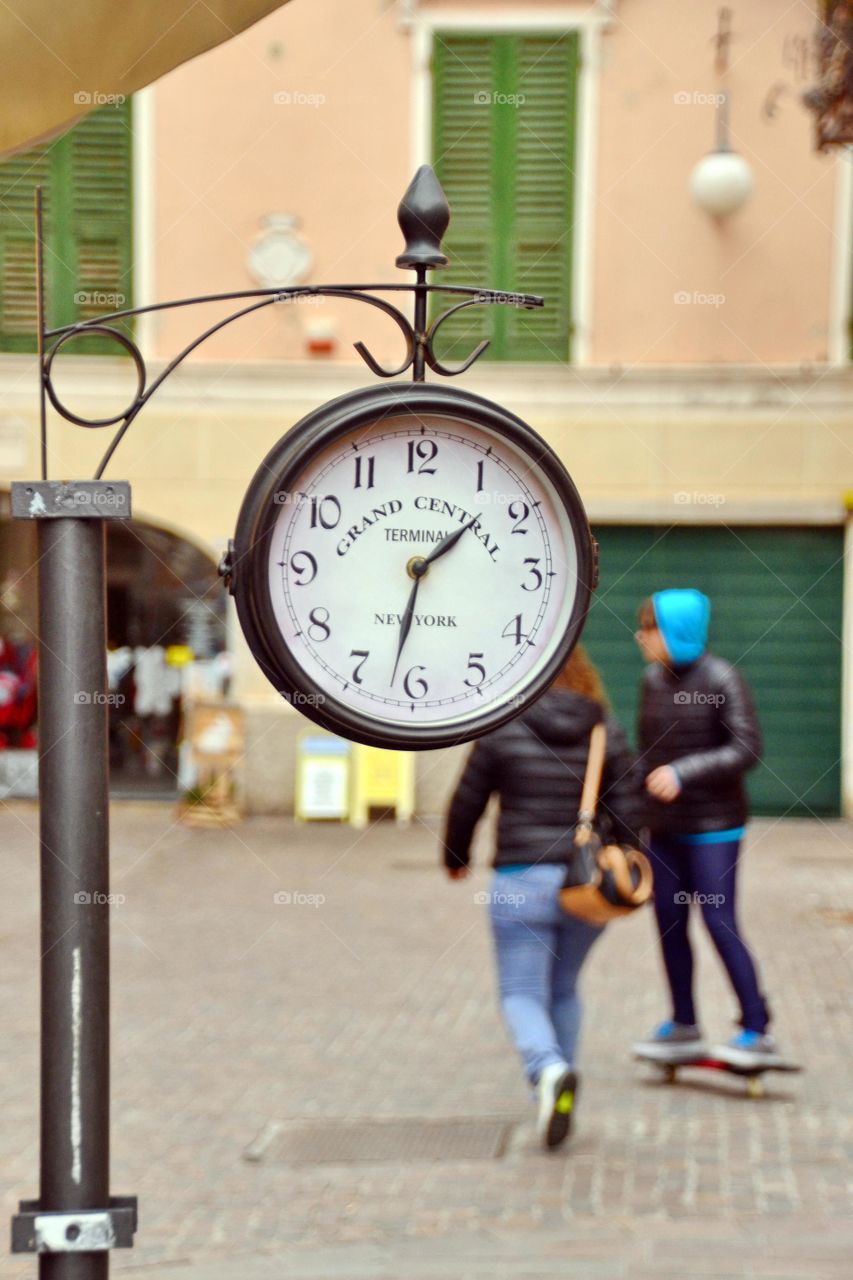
(557,1088)
(750,1049)
(671,1042)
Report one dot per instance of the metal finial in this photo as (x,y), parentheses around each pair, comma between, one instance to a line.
(423,216)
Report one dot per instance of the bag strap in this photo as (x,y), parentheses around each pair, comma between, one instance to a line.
(592,781)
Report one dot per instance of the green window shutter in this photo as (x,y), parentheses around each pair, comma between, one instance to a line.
(18,177)
(465,69)
(86,176)
(504,131)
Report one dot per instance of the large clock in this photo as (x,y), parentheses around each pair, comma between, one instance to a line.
(412,566)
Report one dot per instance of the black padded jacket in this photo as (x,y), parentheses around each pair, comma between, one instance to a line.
(701,720)
(536,764)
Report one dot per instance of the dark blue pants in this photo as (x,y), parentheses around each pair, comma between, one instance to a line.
(703,875)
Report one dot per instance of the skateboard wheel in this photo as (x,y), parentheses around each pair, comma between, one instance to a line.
(754,1087)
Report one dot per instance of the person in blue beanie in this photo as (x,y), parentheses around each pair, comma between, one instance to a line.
(698,736)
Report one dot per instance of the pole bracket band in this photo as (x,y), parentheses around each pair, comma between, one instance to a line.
(36,1230)
(57,500)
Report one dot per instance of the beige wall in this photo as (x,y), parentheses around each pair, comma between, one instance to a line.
(772,261)
(690,411)
(225,154)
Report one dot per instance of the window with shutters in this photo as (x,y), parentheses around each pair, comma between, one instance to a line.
(504,151)
(86,180)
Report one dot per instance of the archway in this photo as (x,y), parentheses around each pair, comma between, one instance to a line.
(165,608)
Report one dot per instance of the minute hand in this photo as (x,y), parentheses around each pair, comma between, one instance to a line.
(420,569)
(406,623)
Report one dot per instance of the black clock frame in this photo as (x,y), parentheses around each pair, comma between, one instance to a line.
(248,569)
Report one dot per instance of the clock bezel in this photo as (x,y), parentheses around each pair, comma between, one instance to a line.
(259,514)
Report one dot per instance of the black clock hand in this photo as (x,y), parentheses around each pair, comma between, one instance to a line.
(448,542)
(418,569)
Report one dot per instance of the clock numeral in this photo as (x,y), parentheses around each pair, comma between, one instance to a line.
(474,665)
(325,512)
(368,467)
(536,574)
(481,466)
(512,630)
(518,511)
(422,451)
(364,654)
(419,680)
(299,569)
(319,623)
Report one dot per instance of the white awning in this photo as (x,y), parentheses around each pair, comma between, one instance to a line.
(60,61)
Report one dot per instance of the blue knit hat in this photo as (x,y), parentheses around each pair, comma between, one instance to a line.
(682,617)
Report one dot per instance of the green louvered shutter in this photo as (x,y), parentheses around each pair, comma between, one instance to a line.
(504,129)
(463,161)
(18,317)
(86,177)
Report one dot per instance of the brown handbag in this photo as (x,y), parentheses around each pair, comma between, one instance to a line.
(602,881)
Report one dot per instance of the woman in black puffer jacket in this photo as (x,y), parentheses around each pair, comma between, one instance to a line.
(536,765)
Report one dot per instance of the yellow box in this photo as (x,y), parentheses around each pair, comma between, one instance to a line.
(381,780)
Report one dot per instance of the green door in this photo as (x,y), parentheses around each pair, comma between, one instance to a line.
(776,596)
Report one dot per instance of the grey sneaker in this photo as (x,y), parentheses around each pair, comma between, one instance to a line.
(750,1049)
(672,1041)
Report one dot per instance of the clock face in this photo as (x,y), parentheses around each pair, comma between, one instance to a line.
(419,566)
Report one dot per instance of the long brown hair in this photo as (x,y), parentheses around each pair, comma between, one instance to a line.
(580,675)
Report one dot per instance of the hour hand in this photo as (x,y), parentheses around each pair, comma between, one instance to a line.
(448,542)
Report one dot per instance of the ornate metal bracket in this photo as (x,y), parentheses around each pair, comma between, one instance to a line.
(423,216)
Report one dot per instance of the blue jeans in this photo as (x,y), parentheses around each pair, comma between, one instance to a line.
(539,952)
(704,874)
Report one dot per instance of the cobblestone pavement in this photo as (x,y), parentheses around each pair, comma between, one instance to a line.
(233,1011)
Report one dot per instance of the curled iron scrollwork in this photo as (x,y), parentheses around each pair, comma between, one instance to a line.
(423,216)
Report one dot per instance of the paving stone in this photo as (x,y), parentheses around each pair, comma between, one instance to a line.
(370,995)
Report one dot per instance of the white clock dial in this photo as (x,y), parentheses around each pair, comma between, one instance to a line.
(412,566)
(343,567)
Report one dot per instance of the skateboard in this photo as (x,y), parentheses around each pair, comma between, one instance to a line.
(707,1061)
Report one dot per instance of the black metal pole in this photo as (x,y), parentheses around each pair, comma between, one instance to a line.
(74,816)
(420,323)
